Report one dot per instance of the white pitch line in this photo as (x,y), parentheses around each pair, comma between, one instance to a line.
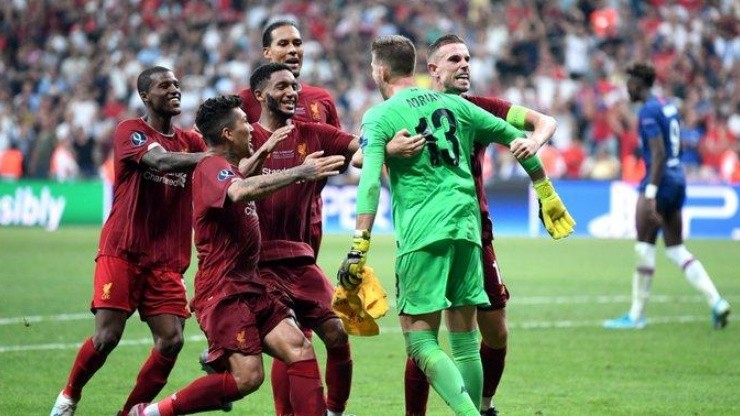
(524,300)
(383,329)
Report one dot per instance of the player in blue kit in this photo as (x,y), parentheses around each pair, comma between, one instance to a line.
(662,193)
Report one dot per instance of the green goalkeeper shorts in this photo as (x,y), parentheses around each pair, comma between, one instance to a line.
(444,274)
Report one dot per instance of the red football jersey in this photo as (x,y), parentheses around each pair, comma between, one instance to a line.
(314,105)
(150,219)
(285,214)
(500,109)
(227,235)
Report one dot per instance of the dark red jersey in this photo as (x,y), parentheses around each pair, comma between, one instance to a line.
(285,215)
(227,235)
(150,222)
(500,109)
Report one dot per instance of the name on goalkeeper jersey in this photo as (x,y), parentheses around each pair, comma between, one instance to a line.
(421,100)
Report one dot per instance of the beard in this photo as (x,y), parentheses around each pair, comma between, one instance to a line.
(274,106)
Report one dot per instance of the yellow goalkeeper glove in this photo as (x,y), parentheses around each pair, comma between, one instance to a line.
(349,274)
(558,222)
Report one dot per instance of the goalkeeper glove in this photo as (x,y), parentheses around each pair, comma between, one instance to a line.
(558,222)
(351,268)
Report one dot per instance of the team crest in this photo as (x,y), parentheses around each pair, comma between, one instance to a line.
(224,174)
(315,111)
(302,150)
(138,138)
(106,290)
(241,339)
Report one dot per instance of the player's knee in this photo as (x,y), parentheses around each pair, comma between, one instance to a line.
(334,333)
(105,340)
(301,351)
(679,255)
(645,255)
(249,381)
(493,328)
(171,344)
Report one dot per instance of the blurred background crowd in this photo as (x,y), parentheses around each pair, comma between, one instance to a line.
(68,70)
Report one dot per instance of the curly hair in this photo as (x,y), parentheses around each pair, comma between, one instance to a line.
(214,115)
(263,73)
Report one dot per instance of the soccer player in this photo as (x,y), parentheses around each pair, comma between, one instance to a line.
(287,260)
(448,63)
(662,193)
(282,43)
(145,243)
(239,316)
(436,217)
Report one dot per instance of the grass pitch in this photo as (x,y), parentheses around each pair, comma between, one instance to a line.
(560,361)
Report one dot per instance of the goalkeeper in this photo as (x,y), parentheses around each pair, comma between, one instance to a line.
(436,217)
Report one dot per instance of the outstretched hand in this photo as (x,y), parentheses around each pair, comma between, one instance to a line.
(316,166)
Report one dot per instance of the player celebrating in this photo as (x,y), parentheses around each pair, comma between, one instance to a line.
(436,217)
(662,193)
(449,65)
(287,260)
(232,304)
(145,243)
(282,43)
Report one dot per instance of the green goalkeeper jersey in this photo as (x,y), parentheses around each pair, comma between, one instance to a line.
(433,193)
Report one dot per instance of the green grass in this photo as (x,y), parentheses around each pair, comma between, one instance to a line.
(560,361)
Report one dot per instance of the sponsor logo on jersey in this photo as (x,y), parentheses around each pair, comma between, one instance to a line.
(138,138)
(170,179)
(224,174)
(250,209)
(315,111)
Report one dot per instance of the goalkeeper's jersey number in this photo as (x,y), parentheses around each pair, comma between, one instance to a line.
(451,156)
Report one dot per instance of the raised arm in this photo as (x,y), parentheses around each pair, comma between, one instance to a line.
(162,160)
(315,167)
(252,165)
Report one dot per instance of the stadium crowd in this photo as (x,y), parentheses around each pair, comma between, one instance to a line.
(68,70)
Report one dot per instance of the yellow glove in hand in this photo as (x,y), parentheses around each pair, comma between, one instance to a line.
(359,307)
(351,268)
(554,215)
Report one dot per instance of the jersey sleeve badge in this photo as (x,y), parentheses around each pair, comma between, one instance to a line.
(138,138)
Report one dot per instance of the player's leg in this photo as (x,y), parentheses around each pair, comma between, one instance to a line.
(234,336)
(493,328)
(465,292)
(163,307)
(112,304)
(642,279)
(416,389)
(420,302)
(692,268)
(287,344)
(244,376)
(312,294)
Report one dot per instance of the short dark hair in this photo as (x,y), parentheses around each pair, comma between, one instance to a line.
(144,82)
(441,41)
(215,114)
(263,73)
(397,52)
(267,33)
(644,71)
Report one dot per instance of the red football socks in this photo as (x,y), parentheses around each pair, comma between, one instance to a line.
(87,363)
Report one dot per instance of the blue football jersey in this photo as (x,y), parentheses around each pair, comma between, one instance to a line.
(658,119)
